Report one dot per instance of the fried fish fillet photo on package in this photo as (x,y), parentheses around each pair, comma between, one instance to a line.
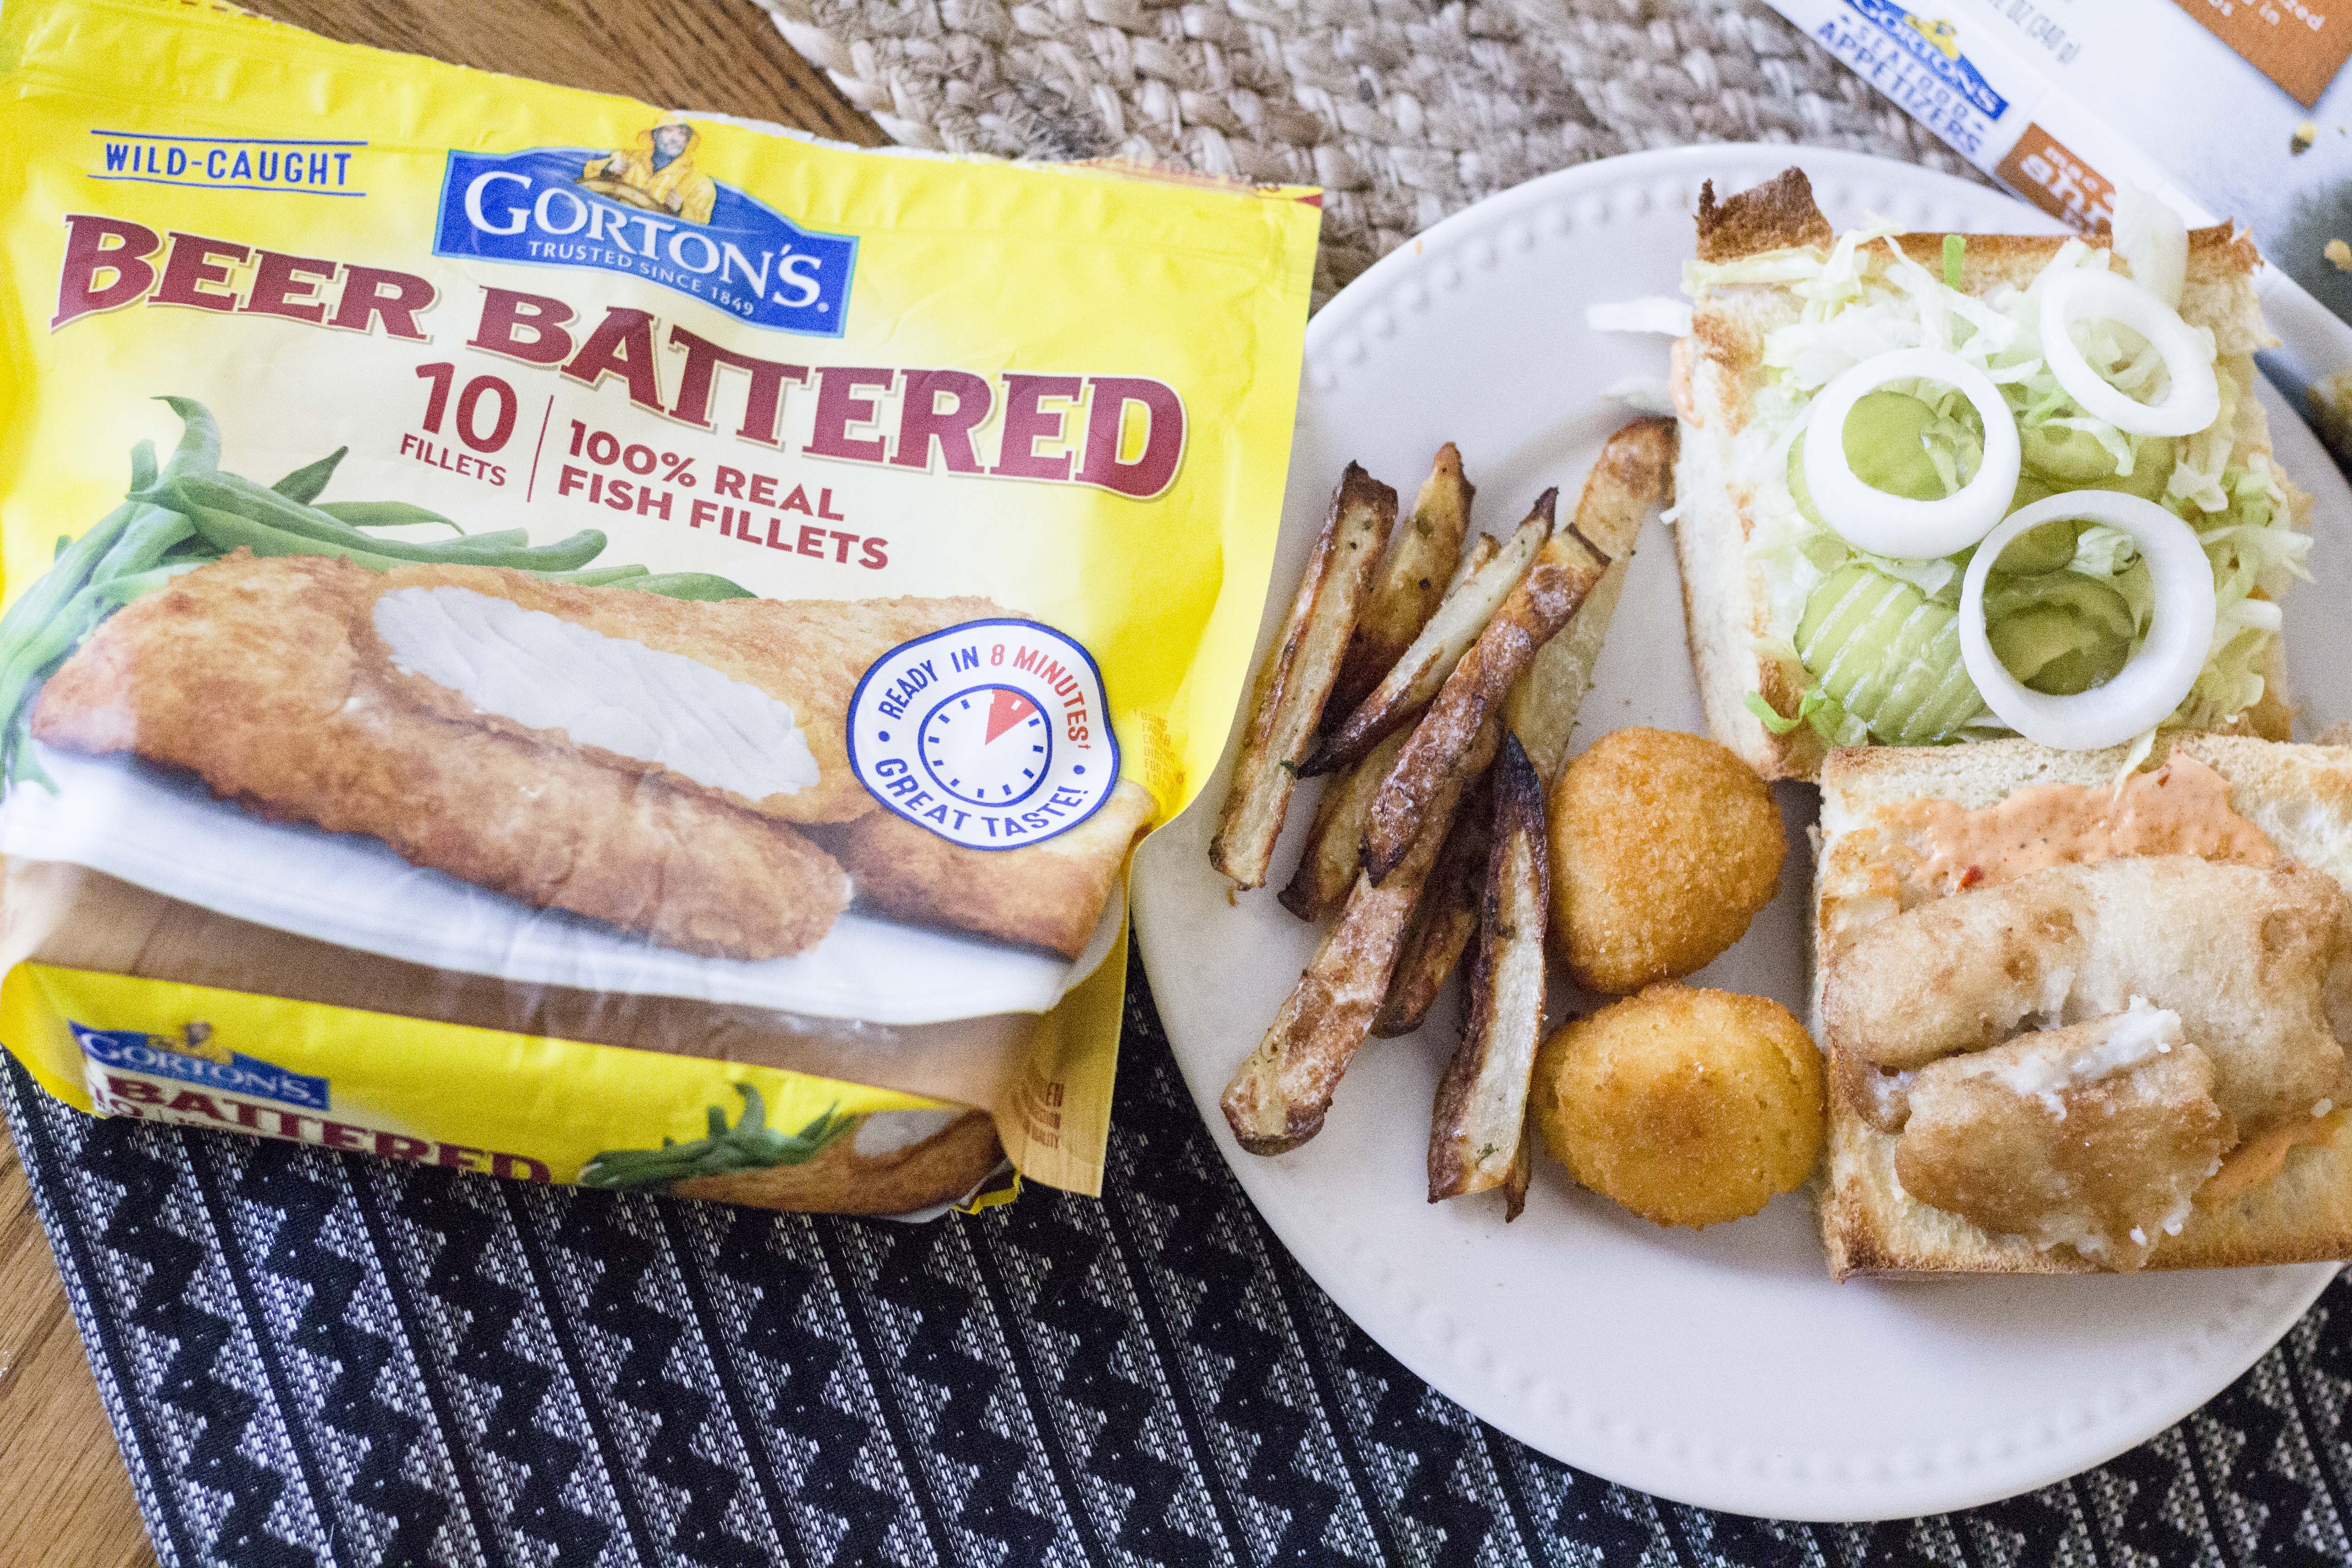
(590,644)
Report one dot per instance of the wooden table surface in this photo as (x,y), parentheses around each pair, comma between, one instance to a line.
(65,1499)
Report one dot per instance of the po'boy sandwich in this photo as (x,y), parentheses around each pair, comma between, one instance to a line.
(1939,488)
(2075,1024)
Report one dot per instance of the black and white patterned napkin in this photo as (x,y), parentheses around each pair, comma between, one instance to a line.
(315,1359)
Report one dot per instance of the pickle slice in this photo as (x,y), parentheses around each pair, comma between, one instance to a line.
(1889,654)
(2061,634)
(2079,670)
(1800,492)
(1887,446)
(1920,696)
(2029,643)
(2153,460)
(1945,712)
(2051,546)
(2097,604)
(2072,460)
(1849,641)
(1835,607)
(1876,692)
(2044,548)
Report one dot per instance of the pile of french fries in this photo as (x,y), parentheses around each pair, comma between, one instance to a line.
(1431,677)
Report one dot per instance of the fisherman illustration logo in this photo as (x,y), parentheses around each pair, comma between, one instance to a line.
(648,210)
(656,174)
(1935,44)
(1940,33)
(993,734)
(197,1040)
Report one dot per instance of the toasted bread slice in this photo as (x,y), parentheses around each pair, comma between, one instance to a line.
(1725,595)
(2299,796)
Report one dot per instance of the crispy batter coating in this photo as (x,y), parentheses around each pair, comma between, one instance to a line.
(1049,894)
(1688,1106)
(808,653)
(1664,847)
(2034,1138)
(247,673)
(2244,954)
(941,1169)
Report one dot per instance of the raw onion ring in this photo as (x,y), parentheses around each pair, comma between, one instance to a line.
(2154,680)
(1870,519)
(2194,399)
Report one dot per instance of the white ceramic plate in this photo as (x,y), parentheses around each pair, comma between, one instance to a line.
(165,831)
(1723,1367)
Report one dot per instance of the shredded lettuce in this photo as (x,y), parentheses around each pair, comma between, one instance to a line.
(1865,298)
(1820,711)
(1938,576)
(2205,456)
(2101,550)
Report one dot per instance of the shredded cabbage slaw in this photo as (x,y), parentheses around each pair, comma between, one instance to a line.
(1850,311)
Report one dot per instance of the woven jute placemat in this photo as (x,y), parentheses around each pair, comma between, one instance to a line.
(1403,110)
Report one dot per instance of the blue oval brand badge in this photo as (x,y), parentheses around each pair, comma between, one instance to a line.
(646,210)
(993,734)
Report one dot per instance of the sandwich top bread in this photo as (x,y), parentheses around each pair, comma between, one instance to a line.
(1845,617)
(2074,1022)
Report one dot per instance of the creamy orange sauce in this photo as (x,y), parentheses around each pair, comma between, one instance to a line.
(1678,381)
(2181,809)
(2262,1156)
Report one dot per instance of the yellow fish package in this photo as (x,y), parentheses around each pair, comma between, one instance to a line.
(590,645)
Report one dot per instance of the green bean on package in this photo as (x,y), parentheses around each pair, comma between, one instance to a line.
(187,512)
(749,1145)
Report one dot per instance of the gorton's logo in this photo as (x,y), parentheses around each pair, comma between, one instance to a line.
(649,211)
(1935,44)
(193,1055)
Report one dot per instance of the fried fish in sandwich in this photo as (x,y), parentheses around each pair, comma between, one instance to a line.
(2081,1020)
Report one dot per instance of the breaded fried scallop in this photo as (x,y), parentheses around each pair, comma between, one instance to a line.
(1688,1106)
(1664,845)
